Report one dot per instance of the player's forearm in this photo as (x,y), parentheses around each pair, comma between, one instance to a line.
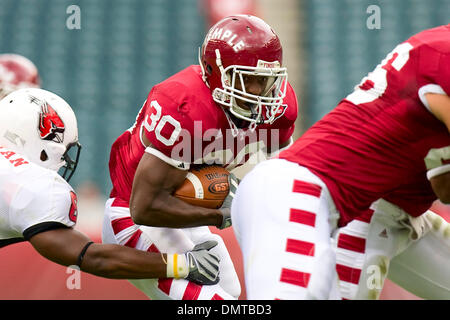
(168,211)
(119,262)
(65,246)
(441,186)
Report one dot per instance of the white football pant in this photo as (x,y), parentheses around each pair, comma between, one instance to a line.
(119,228)
(413,252)
(283,218)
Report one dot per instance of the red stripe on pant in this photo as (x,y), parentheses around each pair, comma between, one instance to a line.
(306,188)
(192,291)
(132,242)
(295,277)
(165,284)
(348,274)
(117,202)
(121,224)
(352,243)
(152,248)
(303,217)
(300,247)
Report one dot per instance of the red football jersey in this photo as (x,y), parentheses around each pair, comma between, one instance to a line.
(185,126)
(381,140)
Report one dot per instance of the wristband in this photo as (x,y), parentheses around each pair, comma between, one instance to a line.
(177,266)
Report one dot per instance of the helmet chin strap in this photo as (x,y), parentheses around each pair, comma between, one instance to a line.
(259,119)
(234,128)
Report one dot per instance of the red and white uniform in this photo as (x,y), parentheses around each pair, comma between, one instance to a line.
(185,126)
(382,137)
(384,231)
(33,199)
(376,143)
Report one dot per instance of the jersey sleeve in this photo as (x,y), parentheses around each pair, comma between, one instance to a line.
(43,205)
(169,127)
(433,74)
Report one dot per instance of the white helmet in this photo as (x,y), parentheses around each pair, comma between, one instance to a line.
(42,126)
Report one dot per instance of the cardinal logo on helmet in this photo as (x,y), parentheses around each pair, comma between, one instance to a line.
(51,127)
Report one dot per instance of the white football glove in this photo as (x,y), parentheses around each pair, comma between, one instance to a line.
(198,265)
(233,183)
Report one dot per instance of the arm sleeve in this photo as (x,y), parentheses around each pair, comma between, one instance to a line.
(433,73)
(429,88)
(175,163)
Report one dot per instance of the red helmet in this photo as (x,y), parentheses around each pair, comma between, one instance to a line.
(17,72)
(239,46)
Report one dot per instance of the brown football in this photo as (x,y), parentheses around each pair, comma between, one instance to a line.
(205,186)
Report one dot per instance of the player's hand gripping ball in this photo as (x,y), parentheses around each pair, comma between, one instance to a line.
(205,186)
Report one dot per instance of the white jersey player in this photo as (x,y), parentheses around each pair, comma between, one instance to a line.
(37,131)
(25,210)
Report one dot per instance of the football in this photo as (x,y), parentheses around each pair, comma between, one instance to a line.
(205,186)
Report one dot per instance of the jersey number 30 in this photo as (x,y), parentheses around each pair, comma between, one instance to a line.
(157,123)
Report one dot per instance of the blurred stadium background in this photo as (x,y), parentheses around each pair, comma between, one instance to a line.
(124,47)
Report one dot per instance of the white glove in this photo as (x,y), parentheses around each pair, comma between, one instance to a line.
(198,265)
(233,183)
